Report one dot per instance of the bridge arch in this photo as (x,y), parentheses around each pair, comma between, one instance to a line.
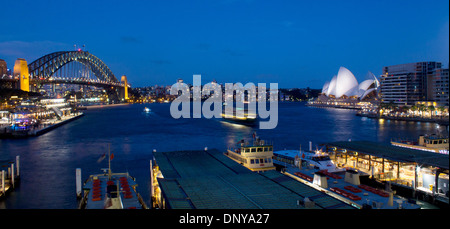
(47,65)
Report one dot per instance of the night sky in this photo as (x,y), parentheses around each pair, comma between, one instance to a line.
(293,43)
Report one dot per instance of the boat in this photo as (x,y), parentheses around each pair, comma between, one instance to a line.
(316,170)
(256,155)
(110,190)
(247,119)
(147,110)
(432,143)
(317,159)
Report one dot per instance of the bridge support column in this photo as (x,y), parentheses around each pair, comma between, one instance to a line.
(21,69)
(125,82)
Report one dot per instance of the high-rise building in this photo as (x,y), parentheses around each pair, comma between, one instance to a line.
(3,69)
(406,84)
(439,88)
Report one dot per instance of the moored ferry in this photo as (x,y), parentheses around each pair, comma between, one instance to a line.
(256,155)
(432,143)
(318,160)
(110,191)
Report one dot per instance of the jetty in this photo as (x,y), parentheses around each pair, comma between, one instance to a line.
(40,129)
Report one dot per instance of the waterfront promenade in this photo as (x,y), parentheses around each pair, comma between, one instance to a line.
(439,120)
(43,127)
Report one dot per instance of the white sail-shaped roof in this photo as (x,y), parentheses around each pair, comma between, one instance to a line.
(366,93)
(332,86)
(346,83)
(325,87)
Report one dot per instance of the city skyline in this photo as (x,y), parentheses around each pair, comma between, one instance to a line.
(292,43)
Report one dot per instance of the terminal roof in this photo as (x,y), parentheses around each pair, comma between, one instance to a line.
(395,153)
(210,180)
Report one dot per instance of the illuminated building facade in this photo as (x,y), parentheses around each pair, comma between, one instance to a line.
(406,84)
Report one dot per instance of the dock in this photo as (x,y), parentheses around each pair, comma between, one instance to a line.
(207,179)
(9,176)
(415,173)
(39,130)
(55,124)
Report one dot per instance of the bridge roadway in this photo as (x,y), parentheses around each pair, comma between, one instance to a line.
(64,80)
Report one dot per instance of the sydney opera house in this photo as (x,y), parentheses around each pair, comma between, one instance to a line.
(344,91)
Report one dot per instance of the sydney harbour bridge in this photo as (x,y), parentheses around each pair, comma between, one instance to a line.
(65,67)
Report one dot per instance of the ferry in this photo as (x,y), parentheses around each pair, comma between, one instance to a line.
(147,110)
(256,155)
(316,170)
(317,160)
(109,190)
(432,143)
(248,118)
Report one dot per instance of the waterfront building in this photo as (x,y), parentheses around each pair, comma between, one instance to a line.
(412,171)
(439,86)
(405,84)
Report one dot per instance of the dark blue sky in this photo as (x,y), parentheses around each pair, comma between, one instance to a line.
(293,43)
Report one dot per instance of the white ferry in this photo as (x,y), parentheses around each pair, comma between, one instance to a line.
(147,110)
(318,160)
(431,143)
(256,156)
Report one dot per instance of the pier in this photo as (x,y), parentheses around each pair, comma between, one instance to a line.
(412,173)
(9,176)
(207,179)
(441,121)
(43,128)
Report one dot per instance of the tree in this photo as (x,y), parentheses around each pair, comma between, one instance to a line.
(413,108)
(422,108)
(431,108)
(442,110)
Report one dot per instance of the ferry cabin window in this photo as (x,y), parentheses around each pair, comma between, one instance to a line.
(261,161)
(260,149)
(252,161)
(247,150)
(253,150)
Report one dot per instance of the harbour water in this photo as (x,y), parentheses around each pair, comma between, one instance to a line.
(48,162)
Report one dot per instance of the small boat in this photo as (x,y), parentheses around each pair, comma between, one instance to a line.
(109,190)
(317,159)
(147,110)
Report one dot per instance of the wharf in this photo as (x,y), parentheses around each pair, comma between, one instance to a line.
(441,121)
(207,179)
(366,198)
(39,130)
(55,124)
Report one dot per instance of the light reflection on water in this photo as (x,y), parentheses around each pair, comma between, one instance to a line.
(48,162)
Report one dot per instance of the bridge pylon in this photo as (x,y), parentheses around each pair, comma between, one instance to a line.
(21,70)
(125,82)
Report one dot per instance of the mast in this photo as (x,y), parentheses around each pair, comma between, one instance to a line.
(109,161)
